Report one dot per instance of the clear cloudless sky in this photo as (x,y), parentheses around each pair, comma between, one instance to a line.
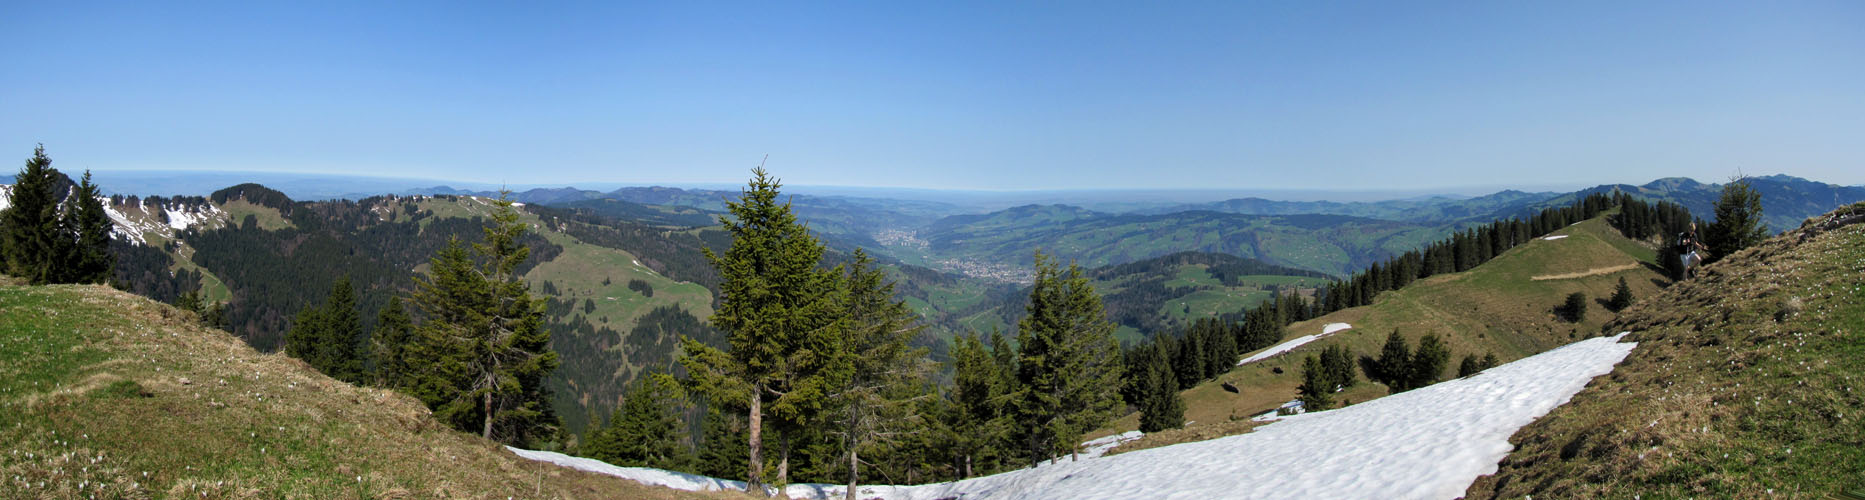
(951,95)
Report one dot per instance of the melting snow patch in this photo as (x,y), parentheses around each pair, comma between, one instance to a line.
(1095,448)
(1425,443)
(1555,237)
(1292,344)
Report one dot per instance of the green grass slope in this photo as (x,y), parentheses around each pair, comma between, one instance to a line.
(104,394)
(1498,307)
(1746,383)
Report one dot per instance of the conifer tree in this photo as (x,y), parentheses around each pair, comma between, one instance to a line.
(978,387)
(783,322)
(338,352)
(1468,367)
(722,451)
(30,224)
(1317,392)
(1161,406)
(1220,347)
(1738,220)
(88,260)
(1428,362)
(326,336)
(1189,365)
(1338,363)
(1574,309)
(876,401)
(1393,364)
(646,431)
(483,340)
(1621,297)
(390,344)
(1068,364)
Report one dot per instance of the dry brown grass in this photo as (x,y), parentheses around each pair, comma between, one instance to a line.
(1198,432)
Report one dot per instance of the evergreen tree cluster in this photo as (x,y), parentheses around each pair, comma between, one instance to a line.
(1471,365)
(1401,368)
(53,231)
(647,431)
(329,337)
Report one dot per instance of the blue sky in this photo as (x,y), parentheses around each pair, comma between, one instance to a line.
(949,95)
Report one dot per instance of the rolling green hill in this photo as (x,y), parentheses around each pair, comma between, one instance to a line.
(1746,383)
(104,394)
(1504,306)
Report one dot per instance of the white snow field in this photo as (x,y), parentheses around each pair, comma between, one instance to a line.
(1555,237)
(1427,443)
(1292,344)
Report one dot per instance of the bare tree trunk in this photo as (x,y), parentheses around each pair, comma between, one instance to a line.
(967,465)
(854,472)
(754,480)
(783,463)
(488,408)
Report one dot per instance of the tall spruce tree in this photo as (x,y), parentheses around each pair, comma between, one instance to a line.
(483,338)
(783,318)
(327,336)
(1738,220)
(339,353)
(390,344)
(30,224)
(87,229)
(1160,405)
(1068,364)
(1317,389)
(876,401)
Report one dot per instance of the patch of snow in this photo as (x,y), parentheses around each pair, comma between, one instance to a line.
(1555,237)
(1292,344)
(1430,442)
(1095,448)
(6,196)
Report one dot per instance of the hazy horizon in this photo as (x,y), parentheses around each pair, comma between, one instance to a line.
(953,96)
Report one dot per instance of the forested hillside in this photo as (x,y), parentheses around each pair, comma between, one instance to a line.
(1333,244)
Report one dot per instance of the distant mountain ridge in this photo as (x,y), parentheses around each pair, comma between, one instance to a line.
(1785,200)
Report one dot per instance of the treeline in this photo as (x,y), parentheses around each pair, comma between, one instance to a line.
(52,231)
(1461,252)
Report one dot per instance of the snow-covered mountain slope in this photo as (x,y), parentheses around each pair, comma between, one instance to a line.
(138,223)
(1426,443)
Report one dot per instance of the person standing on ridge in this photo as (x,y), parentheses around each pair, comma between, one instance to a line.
(1687,246)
